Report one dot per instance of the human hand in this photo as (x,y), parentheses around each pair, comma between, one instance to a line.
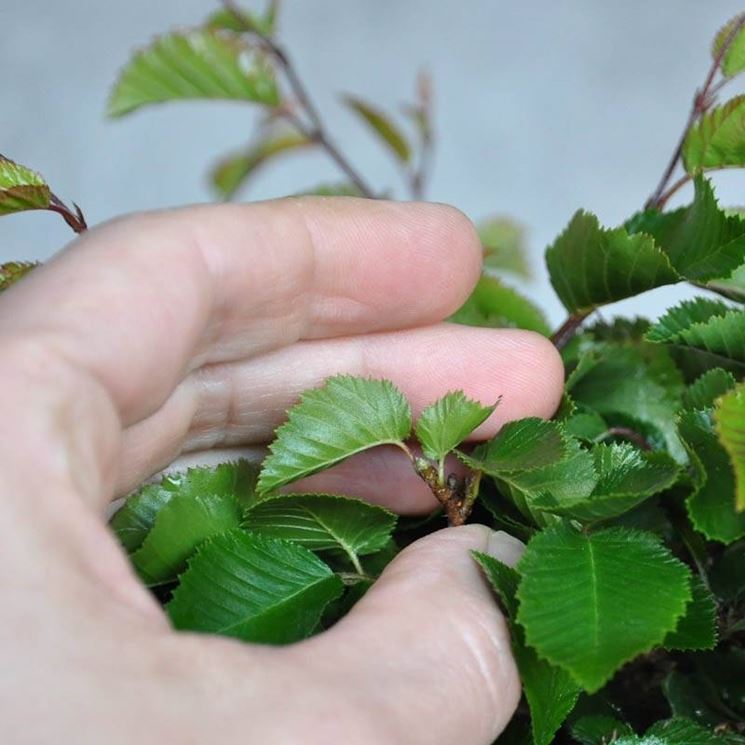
(162,334)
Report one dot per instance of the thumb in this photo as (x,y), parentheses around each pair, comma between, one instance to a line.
(427,651)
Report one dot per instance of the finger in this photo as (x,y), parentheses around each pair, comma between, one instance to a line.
(243,403)
(140,301)
(427,649)
(382,476)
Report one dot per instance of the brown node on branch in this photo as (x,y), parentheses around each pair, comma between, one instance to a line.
(456,495)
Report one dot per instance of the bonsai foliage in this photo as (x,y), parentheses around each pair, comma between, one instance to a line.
(627,609)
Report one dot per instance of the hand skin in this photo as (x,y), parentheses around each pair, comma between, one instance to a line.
(162,334)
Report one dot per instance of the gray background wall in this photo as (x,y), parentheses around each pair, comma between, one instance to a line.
(542,107)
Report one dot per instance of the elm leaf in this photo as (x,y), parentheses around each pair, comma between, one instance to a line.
(135,519)
(503,241)
(521,445)
(717,140)
(347,415)
(579,592)
(550,691)
(444,424)
(733,60)
(253,588)
(12,271)
(591,266)
(626,478)
(21,188)
(637,384)
(701,240)
(179,528)
(711,505)
(709,326)
(194,65)
(383,126)
(599,730)
(697,629)
(702,393)
(729,418)
(323,522)
(495,305)
(234,171)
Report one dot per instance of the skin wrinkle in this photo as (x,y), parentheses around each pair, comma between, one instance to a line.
(232,404)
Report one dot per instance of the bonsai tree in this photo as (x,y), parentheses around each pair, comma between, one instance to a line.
(627,609)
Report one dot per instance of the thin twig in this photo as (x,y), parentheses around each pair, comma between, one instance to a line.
(316,131)
(73,217)
(702,101)
(563,335)
(424,113)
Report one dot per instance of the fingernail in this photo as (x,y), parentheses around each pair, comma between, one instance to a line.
(505,547)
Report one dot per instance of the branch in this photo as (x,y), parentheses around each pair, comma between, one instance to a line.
(702,101)
(317,131)
(563,335)
(423,112)
(73,217)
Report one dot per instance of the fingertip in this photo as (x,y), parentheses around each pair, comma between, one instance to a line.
(431,617)
(525,369)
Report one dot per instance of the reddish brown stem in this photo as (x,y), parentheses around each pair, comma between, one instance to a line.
(316,131)
(702,101)
(563,335)
(73,217)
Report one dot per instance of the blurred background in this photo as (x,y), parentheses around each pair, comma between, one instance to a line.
(540,108)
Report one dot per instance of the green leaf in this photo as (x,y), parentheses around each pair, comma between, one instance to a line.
(711,506)
(573,477)
(21,188)
(579,592)
(227,20)
(254,588)
(717,140)
(12,271)
(733,60)
(503,240)
(521,445)
(345,416)
(322,522)
(599,730)
(135,519)
(682,732)
(680,318)
(383,126)
(729,417)
(503,579)
(591,266)
(234,171)
(627,477)
(495,305)
(632,385)
(550,691)
(697,629)
(179,528)
(444,424)
(198,64)
(709,326)
(702,393)
(733,286)
(701,241)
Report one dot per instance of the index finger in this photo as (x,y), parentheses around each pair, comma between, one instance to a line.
(140,302)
